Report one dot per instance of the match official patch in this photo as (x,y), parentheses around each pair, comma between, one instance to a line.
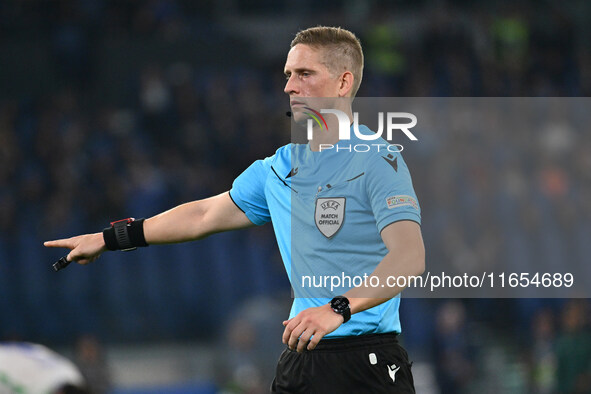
(329,215)
(401,201)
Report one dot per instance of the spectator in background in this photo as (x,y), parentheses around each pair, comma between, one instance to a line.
(93,365)
(240,366)
(542,357)
(454,355)
(573,350)
(246,366)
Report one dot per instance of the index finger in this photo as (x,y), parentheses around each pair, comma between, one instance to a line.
(60,243)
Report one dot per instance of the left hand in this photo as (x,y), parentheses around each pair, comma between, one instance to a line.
(312,323)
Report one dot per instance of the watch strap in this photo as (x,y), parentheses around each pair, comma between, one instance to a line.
(126,234)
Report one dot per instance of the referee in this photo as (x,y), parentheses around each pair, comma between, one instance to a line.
(350,214)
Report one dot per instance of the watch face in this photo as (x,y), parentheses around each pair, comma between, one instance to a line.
(341,306)
(339,303)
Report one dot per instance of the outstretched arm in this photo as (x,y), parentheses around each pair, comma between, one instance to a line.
(186,222)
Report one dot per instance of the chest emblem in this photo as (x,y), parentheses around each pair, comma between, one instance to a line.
(329,215)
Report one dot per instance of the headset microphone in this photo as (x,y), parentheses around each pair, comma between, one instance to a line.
(288,114)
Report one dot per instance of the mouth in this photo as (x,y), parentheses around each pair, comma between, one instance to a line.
(295,103)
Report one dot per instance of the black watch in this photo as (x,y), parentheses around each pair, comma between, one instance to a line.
(340,305)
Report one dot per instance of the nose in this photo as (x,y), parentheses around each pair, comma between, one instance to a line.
(291,85)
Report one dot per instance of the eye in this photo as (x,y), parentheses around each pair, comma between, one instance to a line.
(287,76)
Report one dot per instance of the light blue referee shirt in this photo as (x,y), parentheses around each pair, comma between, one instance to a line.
(328,209)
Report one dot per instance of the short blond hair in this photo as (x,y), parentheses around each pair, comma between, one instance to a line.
(342,50)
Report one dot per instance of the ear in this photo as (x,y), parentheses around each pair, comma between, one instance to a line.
(346,84)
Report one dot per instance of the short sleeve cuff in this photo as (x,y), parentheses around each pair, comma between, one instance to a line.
(397,218)
(244,208)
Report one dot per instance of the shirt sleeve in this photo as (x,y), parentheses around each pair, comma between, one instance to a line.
(248,191)
(390,191)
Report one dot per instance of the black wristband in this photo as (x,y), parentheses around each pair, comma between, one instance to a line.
(126,234)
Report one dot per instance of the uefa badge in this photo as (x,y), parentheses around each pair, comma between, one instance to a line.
(329,215)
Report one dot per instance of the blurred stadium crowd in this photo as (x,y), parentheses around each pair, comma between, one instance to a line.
(81,146)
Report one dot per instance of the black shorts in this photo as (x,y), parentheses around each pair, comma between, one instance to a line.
(364,364)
